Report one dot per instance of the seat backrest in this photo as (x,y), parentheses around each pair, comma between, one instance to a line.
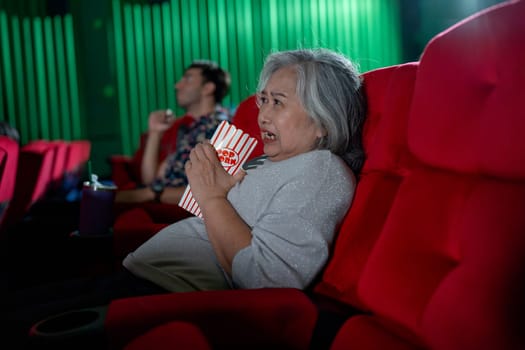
(245,118)
(448,267)
(78,155)
(389,94)
(33,177)
(60,154)
(9,150)
(77,158)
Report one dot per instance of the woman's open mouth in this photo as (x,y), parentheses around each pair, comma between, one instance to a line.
(268,136)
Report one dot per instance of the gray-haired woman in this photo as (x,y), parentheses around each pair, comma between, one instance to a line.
(273,225)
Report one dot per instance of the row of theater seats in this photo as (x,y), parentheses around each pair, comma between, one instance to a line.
(431,254)
(38,170)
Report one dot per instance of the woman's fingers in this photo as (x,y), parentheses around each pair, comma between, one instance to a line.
(209,151)
(203,151)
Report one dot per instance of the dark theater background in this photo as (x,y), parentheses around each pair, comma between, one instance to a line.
(93,69)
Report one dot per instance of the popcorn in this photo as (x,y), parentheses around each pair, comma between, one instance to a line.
(233,148)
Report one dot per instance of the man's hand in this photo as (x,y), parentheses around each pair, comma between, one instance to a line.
(160,121)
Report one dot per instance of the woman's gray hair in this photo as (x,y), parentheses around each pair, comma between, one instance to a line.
(330,90)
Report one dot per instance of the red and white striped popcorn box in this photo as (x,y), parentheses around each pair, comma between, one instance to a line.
(233,146)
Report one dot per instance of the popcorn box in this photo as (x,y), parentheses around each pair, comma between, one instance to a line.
(233,146)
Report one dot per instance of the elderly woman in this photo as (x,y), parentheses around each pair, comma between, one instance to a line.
(273,225)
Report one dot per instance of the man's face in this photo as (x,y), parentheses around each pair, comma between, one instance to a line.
(190,88)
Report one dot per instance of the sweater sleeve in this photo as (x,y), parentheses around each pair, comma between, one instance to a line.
(291,240)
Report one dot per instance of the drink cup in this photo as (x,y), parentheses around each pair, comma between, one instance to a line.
(96,209)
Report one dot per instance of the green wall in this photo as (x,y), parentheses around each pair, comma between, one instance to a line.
(93,69)
(421,20)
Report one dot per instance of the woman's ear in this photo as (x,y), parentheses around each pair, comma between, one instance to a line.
(321,132)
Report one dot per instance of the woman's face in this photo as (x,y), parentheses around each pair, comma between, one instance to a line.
(286,129)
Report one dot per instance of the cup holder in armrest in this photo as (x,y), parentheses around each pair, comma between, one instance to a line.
(80,327)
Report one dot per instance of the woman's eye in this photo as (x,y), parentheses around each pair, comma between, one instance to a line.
(261,100)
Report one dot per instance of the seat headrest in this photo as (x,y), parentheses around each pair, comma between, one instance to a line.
(245,118)
(467,113)
(389,94)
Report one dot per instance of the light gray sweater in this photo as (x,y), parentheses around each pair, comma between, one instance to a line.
(293,208)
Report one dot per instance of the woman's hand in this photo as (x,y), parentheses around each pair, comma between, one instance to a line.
(210,184)
(207,177)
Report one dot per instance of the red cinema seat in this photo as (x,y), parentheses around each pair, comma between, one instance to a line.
(77,158)
(277,319)
(78,155)
(245,118)
(33,178)
(186,335)
(9,150)
(389,95)
(450,257)
(61,152)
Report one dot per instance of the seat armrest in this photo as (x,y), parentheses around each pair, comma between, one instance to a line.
(183,335)
(121,171)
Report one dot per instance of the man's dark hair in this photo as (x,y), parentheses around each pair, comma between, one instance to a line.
(215,74)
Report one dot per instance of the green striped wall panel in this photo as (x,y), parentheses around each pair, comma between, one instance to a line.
(238,34)
(42,91)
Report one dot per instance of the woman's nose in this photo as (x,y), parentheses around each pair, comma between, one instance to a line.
(264,115)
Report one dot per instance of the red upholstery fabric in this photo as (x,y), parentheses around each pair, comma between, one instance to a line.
(433,247)
(277,318)
(60,154)
(77,158)
(476,126)
(389,93)
(9,150)
(33,177)
(185,335)
(245,118)
(368,333)
(135,226)
(121,173)
(78,155)
(447,269)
